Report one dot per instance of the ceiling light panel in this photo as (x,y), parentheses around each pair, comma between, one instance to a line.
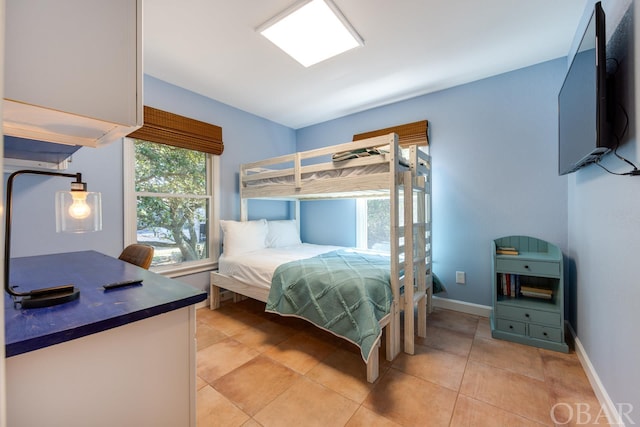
(311,31)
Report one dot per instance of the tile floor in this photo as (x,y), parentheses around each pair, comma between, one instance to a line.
(259,369)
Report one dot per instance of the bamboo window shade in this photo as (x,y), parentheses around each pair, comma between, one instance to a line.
(408,134)
(178,131)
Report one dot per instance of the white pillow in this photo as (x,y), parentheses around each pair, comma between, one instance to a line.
(243,236)
(283,233)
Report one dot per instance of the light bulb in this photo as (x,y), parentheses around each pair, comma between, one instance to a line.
(79,208)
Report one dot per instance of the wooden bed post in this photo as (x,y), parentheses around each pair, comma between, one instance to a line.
(428,242)
(393,329)
(421,270)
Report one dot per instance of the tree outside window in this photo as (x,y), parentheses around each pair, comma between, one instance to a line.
(378,224)
(373,224)
(173,202)
(373,218)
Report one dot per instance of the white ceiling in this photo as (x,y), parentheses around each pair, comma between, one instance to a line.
(411,47)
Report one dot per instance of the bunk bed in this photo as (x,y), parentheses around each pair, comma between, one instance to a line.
(369,166)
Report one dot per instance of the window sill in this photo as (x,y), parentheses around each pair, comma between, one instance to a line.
(179,270)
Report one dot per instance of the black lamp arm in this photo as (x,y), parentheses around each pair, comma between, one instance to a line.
(7,231)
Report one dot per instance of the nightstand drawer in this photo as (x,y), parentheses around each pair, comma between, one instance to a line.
(511,326)
(545,333)
(528,315)
(533,268)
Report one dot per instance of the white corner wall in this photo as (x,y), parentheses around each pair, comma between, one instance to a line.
(604,241)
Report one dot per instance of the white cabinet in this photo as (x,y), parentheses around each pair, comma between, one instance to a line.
(139,374)
(73,70)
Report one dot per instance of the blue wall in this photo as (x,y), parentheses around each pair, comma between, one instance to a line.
(494,148)
(328,222)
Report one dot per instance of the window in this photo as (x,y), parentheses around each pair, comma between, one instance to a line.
(170,204)
(373,222)
(171,188)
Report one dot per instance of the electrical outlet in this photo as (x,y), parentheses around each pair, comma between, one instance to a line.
(460,279)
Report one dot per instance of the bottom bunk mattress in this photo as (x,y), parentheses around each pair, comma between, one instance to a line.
(256,268)
(343,291)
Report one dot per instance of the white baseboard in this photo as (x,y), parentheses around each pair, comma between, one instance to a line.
(464,307)
(598,388)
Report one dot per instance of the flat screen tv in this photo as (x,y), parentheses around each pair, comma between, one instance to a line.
(584,128)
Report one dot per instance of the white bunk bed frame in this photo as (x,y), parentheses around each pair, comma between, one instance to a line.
(410,244)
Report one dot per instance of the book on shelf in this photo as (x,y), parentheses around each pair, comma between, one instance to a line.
(537,290)
(509,285)
(506,250)
(539,295)
(534,292)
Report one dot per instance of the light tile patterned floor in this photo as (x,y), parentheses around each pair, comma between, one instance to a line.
(259,369)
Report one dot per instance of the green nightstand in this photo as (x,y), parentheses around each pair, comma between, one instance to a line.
(528,292)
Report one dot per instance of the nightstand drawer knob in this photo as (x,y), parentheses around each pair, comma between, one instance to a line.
(526,315)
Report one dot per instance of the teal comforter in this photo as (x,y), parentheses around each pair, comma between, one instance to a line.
(344,292)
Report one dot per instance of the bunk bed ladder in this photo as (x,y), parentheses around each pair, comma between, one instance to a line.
(422,285)
(407,181)
(428,243)
(411,295)
(417,283)
(423,224)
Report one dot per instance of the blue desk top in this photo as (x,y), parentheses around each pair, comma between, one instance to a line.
(96,310)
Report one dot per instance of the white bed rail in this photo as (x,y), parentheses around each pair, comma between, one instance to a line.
(256,178)
(378,141)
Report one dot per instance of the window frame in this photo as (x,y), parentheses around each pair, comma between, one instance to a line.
(131,214)
(362,223)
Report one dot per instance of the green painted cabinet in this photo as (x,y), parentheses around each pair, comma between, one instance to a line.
(528,292)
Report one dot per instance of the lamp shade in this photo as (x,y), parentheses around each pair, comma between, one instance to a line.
(78,211)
